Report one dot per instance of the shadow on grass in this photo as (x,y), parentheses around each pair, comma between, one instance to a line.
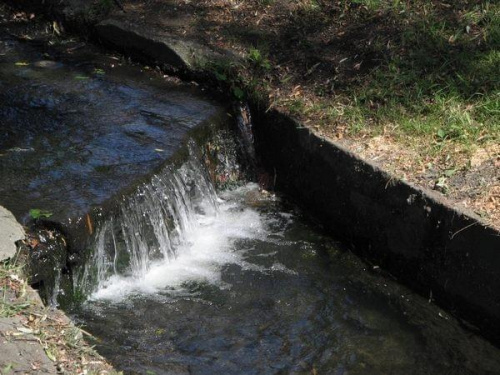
(405,62)
(391,60)
(453,48)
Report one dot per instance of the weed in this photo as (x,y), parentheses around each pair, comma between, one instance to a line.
(36,213)
(309,6)
(257,59)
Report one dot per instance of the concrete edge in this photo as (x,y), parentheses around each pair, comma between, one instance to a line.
(171,51)
(445,254)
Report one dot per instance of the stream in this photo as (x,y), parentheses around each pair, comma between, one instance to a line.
(256,289)
(185,276)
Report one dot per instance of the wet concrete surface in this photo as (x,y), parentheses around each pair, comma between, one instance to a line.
(78,127)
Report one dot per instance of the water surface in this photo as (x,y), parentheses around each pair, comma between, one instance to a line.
(79,126)
(257,290)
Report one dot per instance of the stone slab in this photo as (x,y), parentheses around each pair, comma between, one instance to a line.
(21,353)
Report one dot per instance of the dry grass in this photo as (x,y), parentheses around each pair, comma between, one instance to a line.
(62,342)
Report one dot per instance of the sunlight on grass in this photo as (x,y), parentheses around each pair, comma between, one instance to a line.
(441,82)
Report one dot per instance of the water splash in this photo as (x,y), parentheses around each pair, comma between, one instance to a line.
(245,128)
(208,244)
(149,225)
(173,229)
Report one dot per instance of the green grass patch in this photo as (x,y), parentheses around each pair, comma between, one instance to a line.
(440,77)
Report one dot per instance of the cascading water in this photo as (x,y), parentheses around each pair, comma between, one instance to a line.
(152,225)
(187,280)
(180,278)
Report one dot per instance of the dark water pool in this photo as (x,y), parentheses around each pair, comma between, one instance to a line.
(258,290)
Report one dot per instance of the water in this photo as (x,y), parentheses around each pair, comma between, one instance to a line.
(242,284)
(80,126)
(156,222)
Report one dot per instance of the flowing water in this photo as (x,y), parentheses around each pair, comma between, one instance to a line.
(180,278)
(79,126)
(240,283)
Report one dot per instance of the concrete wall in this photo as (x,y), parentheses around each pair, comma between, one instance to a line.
(409,232)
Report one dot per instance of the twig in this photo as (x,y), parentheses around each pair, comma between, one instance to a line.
(85,332)
(460,230)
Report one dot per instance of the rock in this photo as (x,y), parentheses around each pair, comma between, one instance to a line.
(22,354)
(10,232)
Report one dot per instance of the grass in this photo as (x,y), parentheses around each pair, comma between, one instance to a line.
(439,79)
(426,70)
(421,76)
(433,82)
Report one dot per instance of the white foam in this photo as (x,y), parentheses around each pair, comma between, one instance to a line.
(210,245)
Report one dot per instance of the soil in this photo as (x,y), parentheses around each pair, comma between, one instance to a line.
(39,340)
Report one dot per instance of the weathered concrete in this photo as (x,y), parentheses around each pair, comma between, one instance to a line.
(40,340)
(172,52)
(10,232)
(438,250)
(22,354)
(77,134)
(21,350)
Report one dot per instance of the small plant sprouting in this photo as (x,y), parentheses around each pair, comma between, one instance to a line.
(258,60)
(238,93)
(36,213)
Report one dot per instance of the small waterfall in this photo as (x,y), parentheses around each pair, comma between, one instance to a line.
(245,128)
(159,219)
(149,225)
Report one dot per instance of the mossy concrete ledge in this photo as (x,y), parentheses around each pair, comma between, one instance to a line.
(448,255)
